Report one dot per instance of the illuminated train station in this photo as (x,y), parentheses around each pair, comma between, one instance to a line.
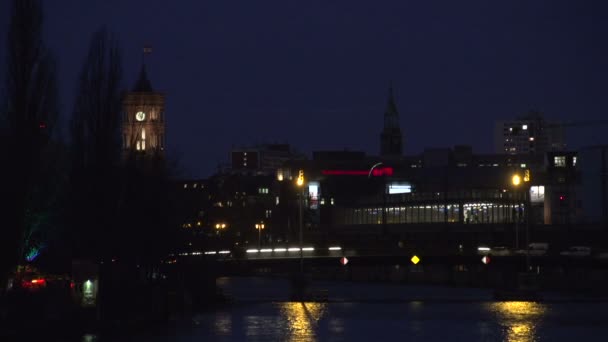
(441,186)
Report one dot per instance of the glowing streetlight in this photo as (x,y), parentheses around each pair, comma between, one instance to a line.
(516,180)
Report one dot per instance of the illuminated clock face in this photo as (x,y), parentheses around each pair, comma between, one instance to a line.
(140,116)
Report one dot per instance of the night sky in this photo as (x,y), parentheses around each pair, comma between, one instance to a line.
(315,73)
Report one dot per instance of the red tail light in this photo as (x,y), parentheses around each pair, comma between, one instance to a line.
(39,281)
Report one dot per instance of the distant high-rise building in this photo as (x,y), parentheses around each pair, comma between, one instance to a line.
(391,140)
(143,128)
(528,134)
(261,159)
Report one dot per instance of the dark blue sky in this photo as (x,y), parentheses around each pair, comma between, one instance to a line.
(315,73)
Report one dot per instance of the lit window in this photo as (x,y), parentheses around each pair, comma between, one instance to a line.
(143,145)
(531,138)
(574,161)
(332,201)
(268,213)
(510,129)
(524,127)
(194,185)
(143,134)
(245,154)
(276,201)
(559,161)
(185,185)
(523,166)
(322,201)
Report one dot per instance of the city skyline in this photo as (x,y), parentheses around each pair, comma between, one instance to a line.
(316,75)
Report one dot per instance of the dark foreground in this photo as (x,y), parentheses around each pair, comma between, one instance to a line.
(261,311)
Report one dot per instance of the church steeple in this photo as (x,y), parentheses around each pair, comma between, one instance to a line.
(391,141)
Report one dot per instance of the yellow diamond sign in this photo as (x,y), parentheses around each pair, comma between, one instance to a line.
(415,259)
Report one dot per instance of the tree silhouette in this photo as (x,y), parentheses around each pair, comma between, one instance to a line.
(119,198)
(29,115)
(95,132)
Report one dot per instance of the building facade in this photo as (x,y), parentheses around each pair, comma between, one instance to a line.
(528,134)
(440,186)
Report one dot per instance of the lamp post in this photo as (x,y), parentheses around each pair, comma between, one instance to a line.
(517,181)
(259,227)
(300,184)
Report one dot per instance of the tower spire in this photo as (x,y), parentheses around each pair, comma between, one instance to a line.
(143,83)
(391,115)
(391,140)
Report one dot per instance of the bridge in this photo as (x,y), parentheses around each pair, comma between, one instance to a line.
(551,271)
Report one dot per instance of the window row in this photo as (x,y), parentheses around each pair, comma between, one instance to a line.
(468,213)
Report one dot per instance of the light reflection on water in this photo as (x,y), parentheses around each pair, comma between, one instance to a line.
(223,324)
(302,318)
(419,321)
(519,319)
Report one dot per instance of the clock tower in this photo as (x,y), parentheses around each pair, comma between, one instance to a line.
(143,125)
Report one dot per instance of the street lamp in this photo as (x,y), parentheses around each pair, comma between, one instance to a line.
(300,184)
(259,227)
(516,180)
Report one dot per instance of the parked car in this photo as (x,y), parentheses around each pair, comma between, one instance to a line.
(577,251)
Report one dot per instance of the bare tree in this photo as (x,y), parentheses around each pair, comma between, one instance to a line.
(29,116)
(95,132)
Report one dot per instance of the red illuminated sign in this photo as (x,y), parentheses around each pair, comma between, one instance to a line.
(377,172)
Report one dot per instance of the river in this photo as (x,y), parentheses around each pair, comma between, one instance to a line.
(380,312)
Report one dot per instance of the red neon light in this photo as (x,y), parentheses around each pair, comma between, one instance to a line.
(377,172)
(383,171)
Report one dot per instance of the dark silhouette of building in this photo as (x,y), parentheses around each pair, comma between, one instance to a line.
(391,139)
